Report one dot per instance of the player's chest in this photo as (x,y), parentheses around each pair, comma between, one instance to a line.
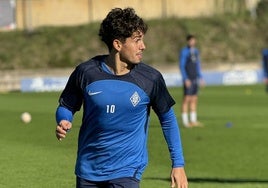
(111,94)
(192,58)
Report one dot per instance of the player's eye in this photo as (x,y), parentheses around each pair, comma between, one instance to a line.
(137,39)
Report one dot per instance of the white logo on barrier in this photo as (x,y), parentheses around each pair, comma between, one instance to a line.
(37,84)
(43,84)
(172,79)
(240,77)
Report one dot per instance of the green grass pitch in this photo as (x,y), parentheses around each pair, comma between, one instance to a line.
(216,155)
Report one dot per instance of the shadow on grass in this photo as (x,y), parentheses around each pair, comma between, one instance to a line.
(214,180)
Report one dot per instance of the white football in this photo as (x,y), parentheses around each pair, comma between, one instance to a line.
(26,117)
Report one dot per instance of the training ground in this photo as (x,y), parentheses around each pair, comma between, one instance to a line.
(229,152)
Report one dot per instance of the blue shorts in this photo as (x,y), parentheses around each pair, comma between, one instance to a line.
(115,183)
(193,89)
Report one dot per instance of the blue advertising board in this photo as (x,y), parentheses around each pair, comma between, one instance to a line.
(234,77)
(43,84)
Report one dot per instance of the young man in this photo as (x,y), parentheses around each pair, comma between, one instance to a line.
(117,92)
(191,75)
(265,67)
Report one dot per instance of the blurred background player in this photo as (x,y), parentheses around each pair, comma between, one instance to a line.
(191,74)
(265,67)
(117,92)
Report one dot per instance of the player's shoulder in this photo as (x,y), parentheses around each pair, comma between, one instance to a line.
(147,78)
(265,51)
(91,64)
(185,49)
(148,71)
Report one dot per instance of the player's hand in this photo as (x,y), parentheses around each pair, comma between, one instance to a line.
(265,80)
(178,178)
(62,128)
(188,83)
(202,82)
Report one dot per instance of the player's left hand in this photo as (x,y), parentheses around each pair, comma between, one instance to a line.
(265,80)
(202,82)
(178,178)
(62,128)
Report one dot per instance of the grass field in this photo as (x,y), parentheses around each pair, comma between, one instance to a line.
(216,156)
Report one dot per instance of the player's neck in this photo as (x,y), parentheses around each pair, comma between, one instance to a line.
(191,47)
(117,66)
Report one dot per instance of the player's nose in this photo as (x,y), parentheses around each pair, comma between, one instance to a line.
(142,46)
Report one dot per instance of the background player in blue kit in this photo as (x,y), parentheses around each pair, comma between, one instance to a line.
(265,67)
(191,74)
(117,92)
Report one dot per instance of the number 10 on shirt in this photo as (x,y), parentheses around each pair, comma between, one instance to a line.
(110,109)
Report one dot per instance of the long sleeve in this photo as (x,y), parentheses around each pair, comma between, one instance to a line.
(182,63)
(199,72)
(172,136)
(63,113)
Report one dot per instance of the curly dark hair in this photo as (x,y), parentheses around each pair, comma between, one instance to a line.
(189,37)
(120,24)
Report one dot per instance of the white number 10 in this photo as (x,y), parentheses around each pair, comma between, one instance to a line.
(110,109)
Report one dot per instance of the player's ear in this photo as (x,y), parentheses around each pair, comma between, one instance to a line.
(117,44)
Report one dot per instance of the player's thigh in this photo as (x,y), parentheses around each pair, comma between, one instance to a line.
(186,99)
(194,98)
(192,90)
(124,183)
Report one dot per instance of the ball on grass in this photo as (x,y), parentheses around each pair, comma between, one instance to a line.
(26,117)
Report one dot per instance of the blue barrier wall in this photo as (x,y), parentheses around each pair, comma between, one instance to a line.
(43,84)
(234,77)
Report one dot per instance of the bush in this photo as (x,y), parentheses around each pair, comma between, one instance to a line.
(262,22)
(262,10)
(222,38)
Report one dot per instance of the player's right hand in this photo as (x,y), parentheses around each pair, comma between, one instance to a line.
(202,82)
(188,83)
(265,80)
(62,128)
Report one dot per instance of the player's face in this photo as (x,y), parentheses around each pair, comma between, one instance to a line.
(132,49)
(192,42)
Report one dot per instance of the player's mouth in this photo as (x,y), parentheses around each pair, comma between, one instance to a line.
(139,55)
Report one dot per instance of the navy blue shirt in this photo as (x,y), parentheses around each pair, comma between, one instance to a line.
(190,63)
(113,135)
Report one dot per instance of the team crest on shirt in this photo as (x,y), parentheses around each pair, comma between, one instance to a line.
(135,99)
(193,58)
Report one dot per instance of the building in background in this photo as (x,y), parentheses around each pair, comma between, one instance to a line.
(30,14)
(7,15)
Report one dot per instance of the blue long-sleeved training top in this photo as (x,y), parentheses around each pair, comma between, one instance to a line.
(265,62)
(189,63)
(113,135)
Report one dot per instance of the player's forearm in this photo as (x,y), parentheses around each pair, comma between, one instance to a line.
(265,74)
(265,71)
(184,76)
(199,72)
(182,65)
(63,113)
(183,72)
(171,133)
